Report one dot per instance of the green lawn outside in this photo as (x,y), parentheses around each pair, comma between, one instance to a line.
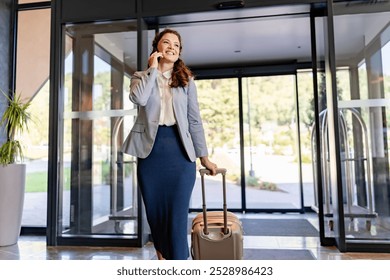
(37,181)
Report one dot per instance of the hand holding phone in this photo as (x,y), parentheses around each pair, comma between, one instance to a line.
(154,59)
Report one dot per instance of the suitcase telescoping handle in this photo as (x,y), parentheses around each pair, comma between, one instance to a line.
(221,171)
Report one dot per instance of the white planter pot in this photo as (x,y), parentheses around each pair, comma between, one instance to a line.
(12,187)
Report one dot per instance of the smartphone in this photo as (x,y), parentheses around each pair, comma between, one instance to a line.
(158,58)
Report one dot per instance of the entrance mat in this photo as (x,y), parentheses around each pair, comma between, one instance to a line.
(277,254)
(279,227)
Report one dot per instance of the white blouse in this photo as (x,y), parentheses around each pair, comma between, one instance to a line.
(167,116)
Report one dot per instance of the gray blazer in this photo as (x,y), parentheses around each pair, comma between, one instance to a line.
(144,92)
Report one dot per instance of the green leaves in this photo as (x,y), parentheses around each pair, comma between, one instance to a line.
(15,119)
(9,151)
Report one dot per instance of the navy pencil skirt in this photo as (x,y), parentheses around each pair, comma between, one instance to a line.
(166,179)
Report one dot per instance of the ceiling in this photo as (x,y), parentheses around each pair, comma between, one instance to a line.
(255,36)
(245,36)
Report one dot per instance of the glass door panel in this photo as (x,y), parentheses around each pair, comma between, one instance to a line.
(99,190)
(218,102)
(320,136)
(272,167)
(363,105)
(306,118)
(354,134)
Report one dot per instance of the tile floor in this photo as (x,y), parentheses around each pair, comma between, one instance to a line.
(34,248)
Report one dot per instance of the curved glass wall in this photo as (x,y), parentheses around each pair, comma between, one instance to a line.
(354,126)
(364,122)
(98,185)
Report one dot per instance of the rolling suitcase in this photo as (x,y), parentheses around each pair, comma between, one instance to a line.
(216,235)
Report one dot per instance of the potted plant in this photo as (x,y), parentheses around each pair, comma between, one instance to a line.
(12,170)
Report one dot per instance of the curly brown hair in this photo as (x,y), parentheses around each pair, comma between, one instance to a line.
(181,74)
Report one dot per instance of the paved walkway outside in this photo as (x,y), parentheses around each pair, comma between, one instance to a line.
(276,170)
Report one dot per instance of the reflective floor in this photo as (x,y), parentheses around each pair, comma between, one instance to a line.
(34,247)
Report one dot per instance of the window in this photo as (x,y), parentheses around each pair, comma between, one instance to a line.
(32,82)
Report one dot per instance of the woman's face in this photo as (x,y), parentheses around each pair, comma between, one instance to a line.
(169,46)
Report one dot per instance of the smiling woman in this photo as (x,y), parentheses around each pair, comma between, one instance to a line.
(169,48)
(167,149)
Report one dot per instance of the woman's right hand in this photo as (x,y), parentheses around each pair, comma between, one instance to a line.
(153,59)
(205,162)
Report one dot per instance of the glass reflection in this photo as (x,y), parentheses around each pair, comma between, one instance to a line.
(98,182)
(363,94)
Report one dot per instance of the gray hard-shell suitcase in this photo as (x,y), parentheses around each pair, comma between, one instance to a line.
(216,235)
